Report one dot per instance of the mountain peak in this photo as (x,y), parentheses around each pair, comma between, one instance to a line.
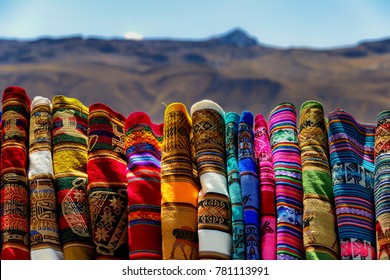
(236,37)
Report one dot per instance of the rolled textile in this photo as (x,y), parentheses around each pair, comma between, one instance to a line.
(382,185)
(263,157)
(214,207)
(143,150)
(44,232)
(106,169)
(286,158)
(351,147)
(319,229)
(238,237)
(70,152)
(179,187)
(250,186)
(15,226)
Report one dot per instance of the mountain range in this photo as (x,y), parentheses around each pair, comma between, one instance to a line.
(232,69)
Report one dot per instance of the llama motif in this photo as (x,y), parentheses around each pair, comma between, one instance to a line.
(185,236)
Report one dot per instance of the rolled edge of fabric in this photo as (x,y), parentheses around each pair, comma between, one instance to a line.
(143,141)
(214,208)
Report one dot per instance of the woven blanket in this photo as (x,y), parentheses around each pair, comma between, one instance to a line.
(179,187)
(382,185)
(44,232)
(351,147)
(250,186)
(214,207)
(264,161)
(319,219)
(288,182)
(106,169)
(143,150)
(238,237)
(14,189)
(70,152)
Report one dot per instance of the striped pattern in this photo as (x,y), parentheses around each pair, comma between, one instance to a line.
(14,189)
(106,169)
(351,147)
(143,150)
(263,156)
(319,220)
(250,186)
(288,182)
(44,233)
(382,185)
(70,152)
(238,238)
(179,187)
(214,208)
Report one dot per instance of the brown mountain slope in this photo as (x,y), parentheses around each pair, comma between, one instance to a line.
(239,75)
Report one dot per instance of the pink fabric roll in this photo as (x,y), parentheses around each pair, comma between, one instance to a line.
(267,189)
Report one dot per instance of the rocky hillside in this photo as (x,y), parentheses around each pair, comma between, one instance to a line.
(232,69)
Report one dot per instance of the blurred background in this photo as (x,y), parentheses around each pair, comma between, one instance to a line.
(245,55)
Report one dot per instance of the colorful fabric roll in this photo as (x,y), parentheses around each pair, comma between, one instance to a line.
(351,147)
(14,189)
(44,234)
(107,196)
(382,185)
(263,157)
(234,187)
(143,150)
(250,186)
(214,207)
(70,152)
(288,182)
(179,187)
(319,228)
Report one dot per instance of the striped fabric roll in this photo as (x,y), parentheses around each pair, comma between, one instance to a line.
(250,186)
(382,185)
(263,156)
(70,152)
(179,187)
(351,147)
(319,219)
(106,169)
(14,189)
(238,237)
(44,233)
(143,150)
(288,182)
(214,207)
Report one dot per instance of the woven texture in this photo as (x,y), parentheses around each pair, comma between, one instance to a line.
(14,189)
(288,182)
(44,233)
(250,186)
(319,229)
(179,187)
(70,152)
(238,237)
(351,147)
(106,168)
(264,161)
(143,150)
(382,185)
(214,208)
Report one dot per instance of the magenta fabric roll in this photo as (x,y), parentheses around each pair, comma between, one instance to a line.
(263,155)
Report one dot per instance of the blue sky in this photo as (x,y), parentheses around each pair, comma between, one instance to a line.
(285,23)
